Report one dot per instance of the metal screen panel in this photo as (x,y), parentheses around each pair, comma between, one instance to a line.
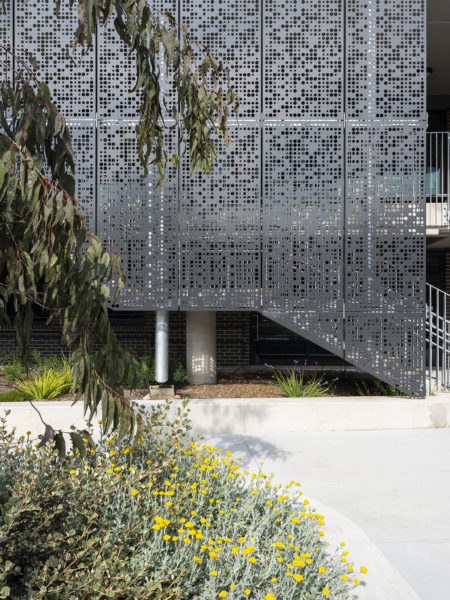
(385,54)
(46,37)
(315,215)
(6,38)
(138,220)
(385,217)
(303,59)
(390,346)
(220,229)
(84,147)
(302,211)
(117,73)
(232,30)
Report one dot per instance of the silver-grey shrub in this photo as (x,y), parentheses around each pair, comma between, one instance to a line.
(163,519)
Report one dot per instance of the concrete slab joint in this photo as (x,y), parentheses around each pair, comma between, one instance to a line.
(201,347)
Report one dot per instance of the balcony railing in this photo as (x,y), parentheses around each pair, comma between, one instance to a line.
(437,179)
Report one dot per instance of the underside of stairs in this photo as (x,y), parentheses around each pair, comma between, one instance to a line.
(390,347)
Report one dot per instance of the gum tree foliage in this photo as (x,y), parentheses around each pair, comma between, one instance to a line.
(43,236)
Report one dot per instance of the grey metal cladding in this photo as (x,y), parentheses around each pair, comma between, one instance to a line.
(117,72)
(6,38)
(46,37)
(138,219)
(84,147)
(302,215)
(385,53)
(232,30)
(390,346)
(315,215)
(385,219)
(220,228)
(303,59)
(385,199)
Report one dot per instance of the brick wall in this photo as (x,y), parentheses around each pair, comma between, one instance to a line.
(138,333)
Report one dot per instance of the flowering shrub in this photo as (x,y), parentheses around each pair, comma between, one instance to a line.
(163,519)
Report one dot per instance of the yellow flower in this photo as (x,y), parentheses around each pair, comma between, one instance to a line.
(356,581)
(325,591)
(109,471)
(134,492)
(322,569)
(166,537)
(175,538)
(247,592)
(298,577)
(248,550)
(344,577)
(364,570)
(279,545)
(274,579)
(214,573)
(197,560)
(72,472)
(222,594)
(252,559)
(270,597)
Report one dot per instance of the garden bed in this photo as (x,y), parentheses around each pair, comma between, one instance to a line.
(227,386)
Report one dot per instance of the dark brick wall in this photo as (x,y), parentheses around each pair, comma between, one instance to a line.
(138,332)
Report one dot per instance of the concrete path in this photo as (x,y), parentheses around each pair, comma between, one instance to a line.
(395,485)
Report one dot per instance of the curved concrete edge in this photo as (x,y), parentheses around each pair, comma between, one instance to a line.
(382,581)
(255,416)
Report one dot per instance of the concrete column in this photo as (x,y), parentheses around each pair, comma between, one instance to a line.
(162,346)
(201,347)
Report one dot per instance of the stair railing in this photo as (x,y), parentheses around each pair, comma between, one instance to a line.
(438,179)
(438,339)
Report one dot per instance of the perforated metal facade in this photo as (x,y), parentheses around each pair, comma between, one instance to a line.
(315,215)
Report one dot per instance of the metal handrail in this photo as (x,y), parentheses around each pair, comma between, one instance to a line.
(438,179)
(438,339)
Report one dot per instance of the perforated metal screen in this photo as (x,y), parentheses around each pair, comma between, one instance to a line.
(315,215)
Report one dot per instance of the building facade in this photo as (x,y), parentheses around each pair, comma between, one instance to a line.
(314,218)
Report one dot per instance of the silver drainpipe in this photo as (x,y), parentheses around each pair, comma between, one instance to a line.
(162,346)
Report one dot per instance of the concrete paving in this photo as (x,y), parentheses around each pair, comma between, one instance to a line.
(394,485)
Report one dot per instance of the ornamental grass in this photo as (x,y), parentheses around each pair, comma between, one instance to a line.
(162,518)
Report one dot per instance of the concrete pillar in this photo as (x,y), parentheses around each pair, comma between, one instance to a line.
(201,347)
(162,346)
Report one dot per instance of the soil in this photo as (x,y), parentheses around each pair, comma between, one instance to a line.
(227,386)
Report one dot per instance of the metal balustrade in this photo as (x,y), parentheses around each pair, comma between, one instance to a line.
(438,340)
(437,179)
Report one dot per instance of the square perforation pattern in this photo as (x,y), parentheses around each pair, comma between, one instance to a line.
(303,59)
(231,30)
(220,229)
(303,217)
(83,142)
(138,219)
(389,346)
(210,242)
(385,258)
(385,53)
(6,38)
(117,73)
(46,37)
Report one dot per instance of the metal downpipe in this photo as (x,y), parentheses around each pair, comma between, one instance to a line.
(162,346)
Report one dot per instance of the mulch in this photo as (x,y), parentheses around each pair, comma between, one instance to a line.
(227,386)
